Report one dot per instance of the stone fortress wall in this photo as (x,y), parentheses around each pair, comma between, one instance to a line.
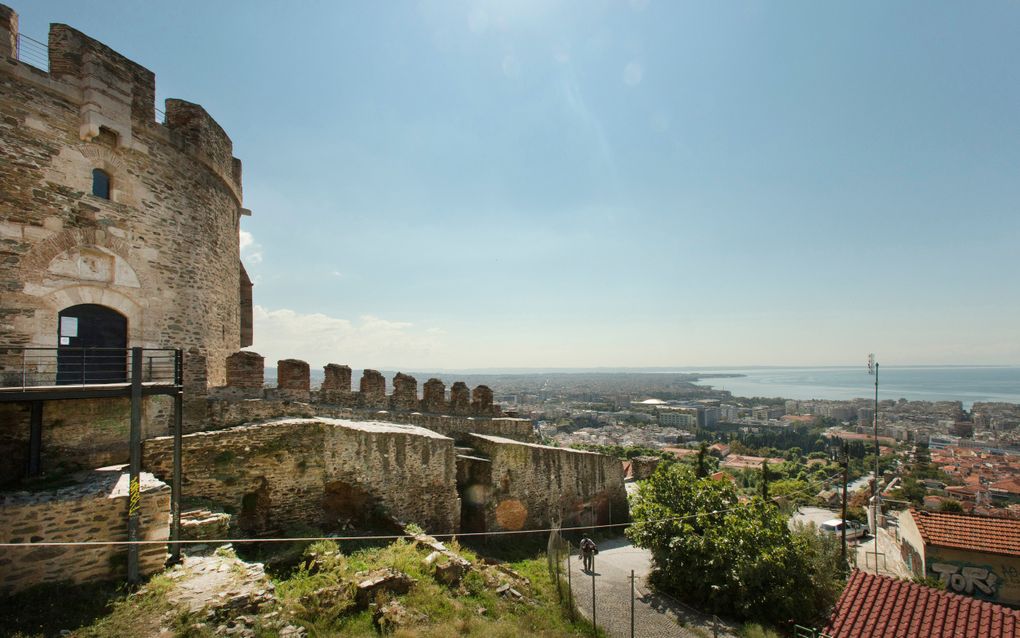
(162,250)
(328,473)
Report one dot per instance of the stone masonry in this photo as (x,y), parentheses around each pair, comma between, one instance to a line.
(434,397)
(529,486)
(162,250)
(293,379)
(337,377)
(405,393)
(94,509)
(246,371)
(373,390)
(323,472)
(460,398)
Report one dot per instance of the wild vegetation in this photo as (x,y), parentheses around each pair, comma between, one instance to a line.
(473,607)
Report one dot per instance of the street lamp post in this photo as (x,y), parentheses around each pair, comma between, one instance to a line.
(876,506)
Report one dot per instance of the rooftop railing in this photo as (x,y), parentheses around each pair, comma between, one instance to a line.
(34,52)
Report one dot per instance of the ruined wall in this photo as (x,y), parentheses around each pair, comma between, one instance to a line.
(76,435)
(534,486)
(94,509)
(223,411)
(323,472)
(162,250)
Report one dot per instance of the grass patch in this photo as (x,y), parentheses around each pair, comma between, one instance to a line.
(473,608)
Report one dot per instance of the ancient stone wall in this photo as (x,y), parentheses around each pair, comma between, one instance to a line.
(162,250)
(76,435)
(225,411)
(534,486)
(94,509)
(405,393)
(372,390)
(337,377)
(246,371)
(323,472)
(434,397)
(293,379)
(460,399)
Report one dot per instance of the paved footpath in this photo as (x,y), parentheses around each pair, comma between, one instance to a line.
(655,616)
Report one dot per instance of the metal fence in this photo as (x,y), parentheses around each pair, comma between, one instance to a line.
(34,52)
(37,53)
(31,367)
(614,610)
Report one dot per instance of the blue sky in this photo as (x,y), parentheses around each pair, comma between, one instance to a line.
(648,183)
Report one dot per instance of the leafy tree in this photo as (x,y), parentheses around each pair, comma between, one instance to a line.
(738,558)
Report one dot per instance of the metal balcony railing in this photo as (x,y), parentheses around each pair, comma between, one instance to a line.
(37,367)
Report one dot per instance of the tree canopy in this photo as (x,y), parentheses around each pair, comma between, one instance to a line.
(740,559)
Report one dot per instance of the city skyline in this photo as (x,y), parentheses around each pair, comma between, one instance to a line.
(621,185)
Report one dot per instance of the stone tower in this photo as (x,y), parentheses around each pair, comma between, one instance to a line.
(108,217)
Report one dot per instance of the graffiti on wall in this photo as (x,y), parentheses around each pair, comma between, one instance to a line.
(964,578)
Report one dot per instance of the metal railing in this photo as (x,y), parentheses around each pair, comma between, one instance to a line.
(807,632)
(37,53)
(34,52)
(35,367)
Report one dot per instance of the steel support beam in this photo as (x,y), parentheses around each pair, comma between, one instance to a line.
(135,465)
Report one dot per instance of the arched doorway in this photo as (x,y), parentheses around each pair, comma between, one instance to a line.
(92,345)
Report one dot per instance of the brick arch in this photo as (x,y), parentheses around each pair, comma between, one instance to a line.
(36,262)
(138,317)
(103,158)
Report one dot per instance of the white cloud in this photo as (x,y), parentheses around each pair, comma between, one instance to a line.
(251,251)
(320,339)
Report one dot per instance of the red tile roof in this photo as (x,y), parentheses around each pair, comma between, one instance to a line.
(872,606)
(964,531)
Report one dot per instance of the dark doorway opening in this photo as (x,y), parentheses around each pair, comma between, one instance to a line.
(92,345)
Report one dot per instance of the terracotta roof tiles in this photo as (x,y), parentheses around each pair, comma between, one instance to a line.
(964,531)
(872,606)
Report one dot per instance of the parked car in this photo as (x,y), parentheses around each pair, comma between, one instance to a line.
(853,528)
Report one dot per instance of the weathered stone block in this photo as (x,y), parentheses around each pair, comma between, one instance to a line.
(460,399)
(434,396)
(405,393)
(373,390)
(246,371)
(337,377)
(293,379)
(481,401)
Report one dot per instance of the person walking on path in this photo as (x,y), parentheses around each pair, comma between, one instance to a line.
(588,551)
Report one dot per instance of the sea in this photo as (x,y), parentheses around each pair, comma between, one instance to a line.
(968,384)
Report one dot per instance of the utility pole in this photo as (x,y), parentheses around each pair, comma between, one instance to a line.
(846,478)
(764,480)
(876,505)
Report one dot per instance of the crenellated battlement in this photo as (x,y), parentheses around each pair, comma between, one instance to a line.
(245,376)
(118,95)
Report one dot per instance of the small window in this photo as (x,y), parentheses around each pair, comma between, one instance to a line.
(100,183)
